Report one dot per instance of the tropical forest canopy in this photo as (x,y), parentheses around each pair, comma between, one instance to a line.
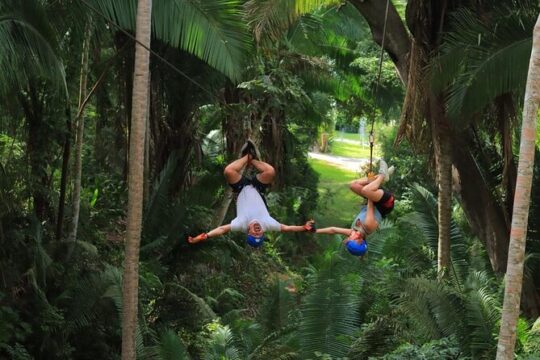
(441,82)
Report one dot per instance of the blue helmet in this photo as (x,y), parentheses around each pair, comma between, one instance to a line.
(357,248)
(255,241)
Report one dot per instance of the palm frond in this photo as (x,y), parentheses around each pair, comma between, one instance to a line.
(425,216)
(477,87)
(432,307)
(426,219)
(271,19)
(272,337)
(170,347)
(376,338)
(329,315)
(476,49)
(220,345)
(28,44)
(483,314)
(211,30)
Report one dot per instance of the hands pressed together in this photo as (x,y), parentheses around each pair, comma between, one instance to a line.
(310,226)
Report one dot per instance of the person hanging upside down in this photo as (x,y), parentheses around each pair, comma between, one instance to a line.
(252,214)
(379,204)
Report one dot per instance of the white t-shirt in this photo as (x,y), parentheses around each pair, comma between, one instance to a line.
(250,207)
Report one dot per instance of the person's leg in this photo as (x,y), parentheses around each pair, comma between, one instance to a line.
(356,186)
(233,171)
(266,171)
(371,191)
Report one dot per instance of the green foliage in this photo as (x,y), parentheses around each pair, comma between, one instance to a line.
(28,45)
(532,342)
(170,347)
(445,348)
(329,316)
(271,19)
(411,167)
(302,296)
(479,47)
(221,344)
(211,30)
(274,314)
(337,202)
(340,148)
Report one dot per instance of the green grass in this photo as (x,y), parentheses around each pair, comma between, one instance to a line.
(337,205)
(349,136)
(340,148)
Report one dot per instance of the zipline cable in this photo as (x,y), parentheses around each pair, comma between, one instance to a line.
(376,90)
(148,49)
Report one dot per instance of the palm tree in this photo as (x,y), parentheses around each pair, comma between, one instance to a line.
(141,79)
(518,233)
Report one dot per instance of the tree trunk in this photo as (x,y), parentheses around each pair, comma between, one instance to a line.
(484,214)
(77,168)
(141,78)
(38,154)
(397,41)
(518,233)
(64,177)
(443,146)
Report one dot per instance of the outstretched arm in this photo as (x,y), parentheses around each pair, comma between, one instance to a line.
(335,230)
(220,230)
(308,226)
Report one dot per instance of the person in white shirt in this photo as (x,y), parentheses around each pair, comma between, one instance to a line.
(252,215)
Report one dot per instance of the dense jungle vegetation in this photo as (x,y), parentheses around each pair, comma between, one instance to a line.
(297,77)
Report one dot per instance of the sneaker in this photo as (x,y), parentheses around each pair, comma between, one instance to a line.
(253,151)
(383,167)
(246,148)
(389,173)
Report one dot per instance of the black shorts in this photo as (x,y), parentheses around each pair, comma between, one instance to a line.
(386,204)
(244,181)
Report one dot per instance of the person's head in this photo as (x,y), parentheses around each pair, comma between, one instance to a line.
(255,235)
(355,244)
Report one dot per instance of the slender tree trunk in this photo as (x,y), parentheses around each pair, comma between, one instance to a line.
(77,168)
(147,180)
(444,204)
(443,146)
(64,177)
(518,232)
(135,180)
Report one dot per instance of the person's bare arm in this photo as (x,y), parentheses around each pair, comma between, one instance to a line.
(308,226)
(220,230)
(334,230)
